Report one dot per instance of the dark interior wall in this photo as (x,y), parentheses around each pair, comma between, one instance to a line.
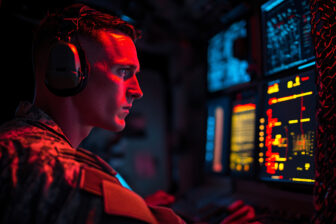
(188,69)
(16,73)
(18,20)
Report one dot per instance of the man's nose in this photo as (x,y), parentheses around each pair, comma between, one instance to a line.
(134,91)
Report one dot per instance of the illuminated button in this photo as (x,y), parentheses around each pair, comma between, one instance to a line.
(297,81)
(217,168)
(246,167)
(293,121)
(307,166)
(281,166)
(273,88)
(239,167)
(261,139)
(305,120)
(261,127)
(261,133)
(261,154)
(277,123)
(261,160)
(261,145)
(262,120)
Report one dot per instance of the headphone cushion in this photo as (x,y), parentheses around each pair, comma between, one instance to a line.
(64,67)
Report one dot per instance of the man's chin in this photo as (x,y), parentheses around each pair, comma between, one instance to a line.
(115,125)
(119,126)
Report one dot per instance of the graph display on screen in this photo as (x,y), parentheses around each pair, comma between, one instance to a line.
(287,34)
(225,67)
(216,151)
(242,136)
(287,129)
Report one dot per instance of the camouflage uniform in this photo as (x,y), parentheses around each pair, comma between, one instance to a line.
(43,179)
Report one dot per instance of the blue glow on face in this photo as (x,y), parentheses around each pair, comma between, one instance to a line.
(224,70)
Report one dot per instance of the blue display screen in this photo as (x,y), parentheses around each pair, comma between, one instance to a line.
(224,69)
(287,40)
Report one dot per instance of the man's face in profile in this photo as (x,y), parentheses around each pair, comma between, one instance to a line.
(112,84)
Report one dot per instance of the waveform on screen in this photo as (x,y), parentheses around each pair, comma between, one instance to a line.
(287,129)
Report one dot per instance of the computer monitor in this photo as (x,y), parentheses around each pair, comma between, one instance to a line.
(286,35)
(217,137)
(242,139)
(287,129)
(227,57)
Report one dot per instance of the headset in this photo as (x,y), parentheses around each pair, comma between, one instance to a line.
(67,68)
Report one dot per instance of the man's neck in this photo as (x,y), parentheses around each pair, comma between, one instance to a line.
(67,118)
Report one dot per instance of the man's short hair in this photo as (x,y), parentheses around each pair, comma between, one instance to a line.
(77,19)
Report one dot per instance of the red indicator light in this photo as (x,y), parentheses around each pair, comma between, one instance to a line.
(304,78)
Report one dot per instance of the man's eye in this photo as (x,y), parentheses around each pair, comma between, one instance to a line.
(125,72)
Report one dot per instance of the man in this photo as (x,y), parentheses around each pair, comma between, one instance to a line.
(85,65)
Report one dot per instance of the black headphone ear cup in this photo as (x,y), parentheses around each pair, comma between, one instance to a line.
(64,74)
